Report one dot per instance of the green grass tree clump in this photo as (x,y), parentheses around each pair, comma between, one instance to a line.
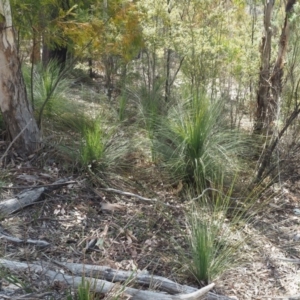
(195,144)
(48,89)
(150,105)
(93,145)
(212,248)
(215,224)
(101,147)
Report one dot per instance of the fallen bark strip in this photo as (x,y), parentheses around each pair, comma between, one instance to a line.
(37,243)
(102,286)
(57,184)
(140,277)
(28,197)
(292,260)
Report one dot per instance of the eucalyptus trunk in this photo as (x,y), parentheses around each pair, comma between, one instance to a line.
(270,90)
(14,105)
(271,76)
(265,104)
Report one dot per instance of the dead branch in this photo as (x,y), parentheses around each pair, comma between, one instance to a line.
(128,194)
(135,196)
(141,277)
(28,197)
(101,286)
(37,243)
(21,187)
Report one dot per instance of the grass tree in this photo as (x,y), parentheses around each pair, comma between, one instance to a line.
(195,145)
(215,227)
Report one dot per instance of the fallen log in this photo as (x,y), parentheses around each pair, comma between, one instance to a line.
(140,277)
(101,286)
(29,197)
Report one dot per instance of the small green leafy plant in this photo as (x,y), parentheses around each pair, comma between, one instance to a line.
(84,291)
(12,279)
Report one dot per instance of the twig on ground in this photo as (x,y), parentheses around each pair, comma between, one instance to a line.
(135,196)
(37,243)
(37,186)
(294,261)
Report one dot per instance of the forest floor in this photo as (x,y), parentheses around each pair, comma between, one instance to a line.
(132,233)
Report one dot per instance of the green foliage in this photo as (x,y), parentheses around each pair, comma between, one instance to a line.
(215,226)
(194,143)
(100,148)
(123,100)
(84,291)
(49,88)
(151,109)
(12,279)
(150,104)
(93,145)
(211,250)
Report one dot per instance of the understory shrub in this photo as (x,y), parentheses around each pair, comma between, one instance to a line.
(194,143)
(47,89)
(150,105)
(101,146)
(215,224)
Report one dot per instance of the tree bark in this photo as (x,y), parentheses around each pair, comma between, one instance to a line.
(270,82)
(264,111)
(270,89)
(16,110)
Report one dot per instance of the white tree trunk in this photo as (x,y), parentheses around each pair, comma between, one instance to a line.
(17,111)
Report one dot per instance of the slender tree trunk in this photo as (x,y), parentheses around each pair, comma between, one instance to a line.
(271,97)
(168,79)
(16,109)
(36,44)
(264,113)
(277,73)
(270,79)
(168,60)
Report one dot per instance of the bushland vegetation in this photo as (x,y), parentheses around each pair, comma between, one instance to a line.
(200,94)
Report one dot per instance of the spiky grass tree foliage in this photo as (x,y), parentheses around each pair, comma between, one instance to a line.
(194,144)
(47,89)
(51,91)
(101,146)
(214,238)
(93,145)
(150,110)
(150,105)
